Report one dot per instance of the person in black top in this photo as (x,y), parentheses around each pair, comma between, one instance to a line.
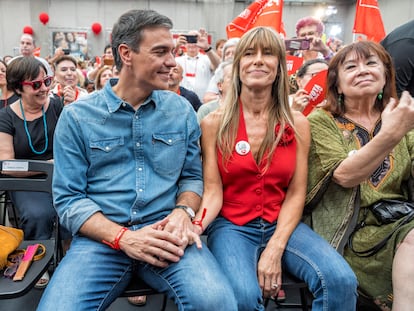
(7,96)
(26,132)
(400,45)
(174,79)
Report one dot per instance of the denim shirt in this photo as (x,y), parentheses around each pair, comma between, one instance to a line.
(130,165)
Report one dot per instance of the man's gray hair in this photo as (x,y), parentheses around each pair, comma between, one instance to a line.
(129,27)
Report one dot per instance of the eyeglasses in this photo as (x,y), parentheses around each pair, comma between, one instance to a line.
(14,262)
(38,83)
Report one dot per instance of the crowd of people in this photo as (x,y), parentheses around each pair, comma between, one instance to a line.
(159,141)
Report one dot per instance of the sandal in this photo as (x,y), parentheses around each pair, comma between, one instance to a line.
(43,281)
(138,300)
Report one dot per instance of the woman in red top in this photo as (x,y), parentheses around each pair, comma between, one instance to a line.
(255,152)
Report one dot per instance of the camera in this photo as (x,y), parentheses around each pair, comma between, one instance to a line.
(66,51)
(191,38)
(297,44)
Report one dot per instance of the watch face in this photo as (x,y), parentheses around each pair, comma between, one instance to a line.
(188,210)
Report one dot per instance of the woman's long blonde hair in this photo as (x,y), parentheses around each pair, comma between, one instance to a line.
(258,38)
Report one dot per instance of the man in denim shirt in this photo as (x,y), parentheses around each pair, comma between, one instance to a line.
(127,178)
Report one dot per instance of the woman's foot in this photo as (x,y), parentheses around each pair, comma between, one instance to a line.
(137,300)
(43,281)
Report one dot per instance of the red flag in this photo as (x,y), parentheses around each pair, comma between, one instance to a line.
(368,21)
(316,89)
(293,63)
(259,13)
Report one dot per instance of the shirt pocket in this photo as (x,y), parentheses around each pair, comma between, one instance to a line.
(106,156)
(168,152)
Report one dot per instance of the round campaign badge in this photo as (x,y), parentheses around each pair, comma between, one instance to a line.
(242,147)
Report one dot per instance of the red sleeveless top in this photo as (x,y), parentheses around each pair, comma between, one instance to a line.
(248,191)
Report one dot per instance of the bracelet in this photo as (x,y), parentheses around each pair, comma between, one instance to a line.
(115,243)
(199,222)
(208,49)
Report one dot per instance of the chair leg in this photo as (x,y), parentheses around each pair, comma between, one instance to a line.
(164,302)
(303,299)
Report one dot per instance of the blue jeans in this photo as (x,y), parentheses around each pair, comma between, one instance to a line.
(36,214)
(92,275)
(307,256)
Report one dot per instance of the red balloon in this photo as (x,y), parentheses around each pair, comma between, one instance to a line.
(44,18)
(28,30)
(96,28)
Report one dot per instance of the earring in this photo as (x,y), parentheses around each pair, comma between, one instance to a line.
(340,99)
(379,96)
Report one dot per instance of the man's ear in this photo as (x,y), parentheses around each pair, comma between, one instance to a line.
(125,54)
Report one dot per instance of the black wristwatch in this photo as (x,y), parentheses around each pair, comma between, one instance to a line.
(188,210)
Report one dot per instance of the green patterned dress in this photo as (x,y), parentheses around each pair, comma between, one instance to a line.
(333,140)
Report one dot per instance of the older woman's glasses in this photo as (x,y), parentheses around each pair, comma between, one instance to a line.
(38,83)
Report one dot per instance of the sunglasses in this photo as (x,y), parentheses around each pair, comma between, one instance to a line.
(13,264)
(38,83)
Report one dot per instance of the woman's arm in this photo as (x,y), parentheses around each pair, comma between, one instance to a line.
(6,146)
(213,189)
(269,267)
(397,120)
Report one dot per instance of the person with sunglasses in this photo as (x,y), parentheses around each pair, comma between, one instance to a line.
(26,132)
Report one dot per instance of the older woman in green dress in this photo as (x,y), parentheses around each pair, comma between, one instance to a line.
(361,153)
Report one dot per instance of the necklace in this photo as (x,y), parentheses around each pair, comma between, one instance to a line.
(27,130)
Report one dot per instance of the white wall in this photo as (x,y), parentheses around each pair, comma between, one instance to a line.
(78,15)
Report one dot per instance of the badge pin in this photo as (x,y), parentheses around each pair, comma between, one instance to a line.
(242,147)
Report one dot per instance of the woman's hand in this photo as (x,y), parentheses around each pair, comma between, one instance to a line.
(269,272)
(398,117)
(300,100)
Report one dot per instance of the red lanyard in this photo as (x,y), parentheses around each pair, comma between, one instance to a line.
(188,74)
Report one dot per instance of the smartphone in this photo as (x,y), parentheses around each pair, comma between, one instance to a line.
(191,38)
(66,51)
(297,44)
(108,61)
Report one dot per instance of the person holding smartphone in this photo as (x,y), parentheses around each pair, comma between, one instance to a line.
(198,68)
(312,28)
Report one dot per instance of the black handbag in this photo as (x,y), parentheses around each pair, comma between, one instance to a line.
(387,211)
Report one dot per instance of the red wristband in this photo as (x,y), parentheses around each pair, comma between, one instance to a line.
(200,222)
(115,243)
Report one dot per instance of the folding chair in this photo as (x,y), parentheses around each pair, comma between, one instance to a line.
(12,289)
(42,183)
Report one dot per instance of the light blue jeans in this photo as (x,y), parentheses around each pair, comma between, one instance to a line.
(92,275)
(307,256)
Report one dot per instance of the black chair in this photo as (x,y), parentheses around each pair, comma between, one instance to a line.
(14,289)
(290,282)
(42,183)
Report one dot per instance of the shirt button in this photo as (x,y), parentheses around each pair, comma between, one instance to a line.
(138,144)
(134,212)
(123,105)
(258,191)
(136,117)
(140,190)
(258,176)
(170,140)
(140,169)
(107,148)
(258,207)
